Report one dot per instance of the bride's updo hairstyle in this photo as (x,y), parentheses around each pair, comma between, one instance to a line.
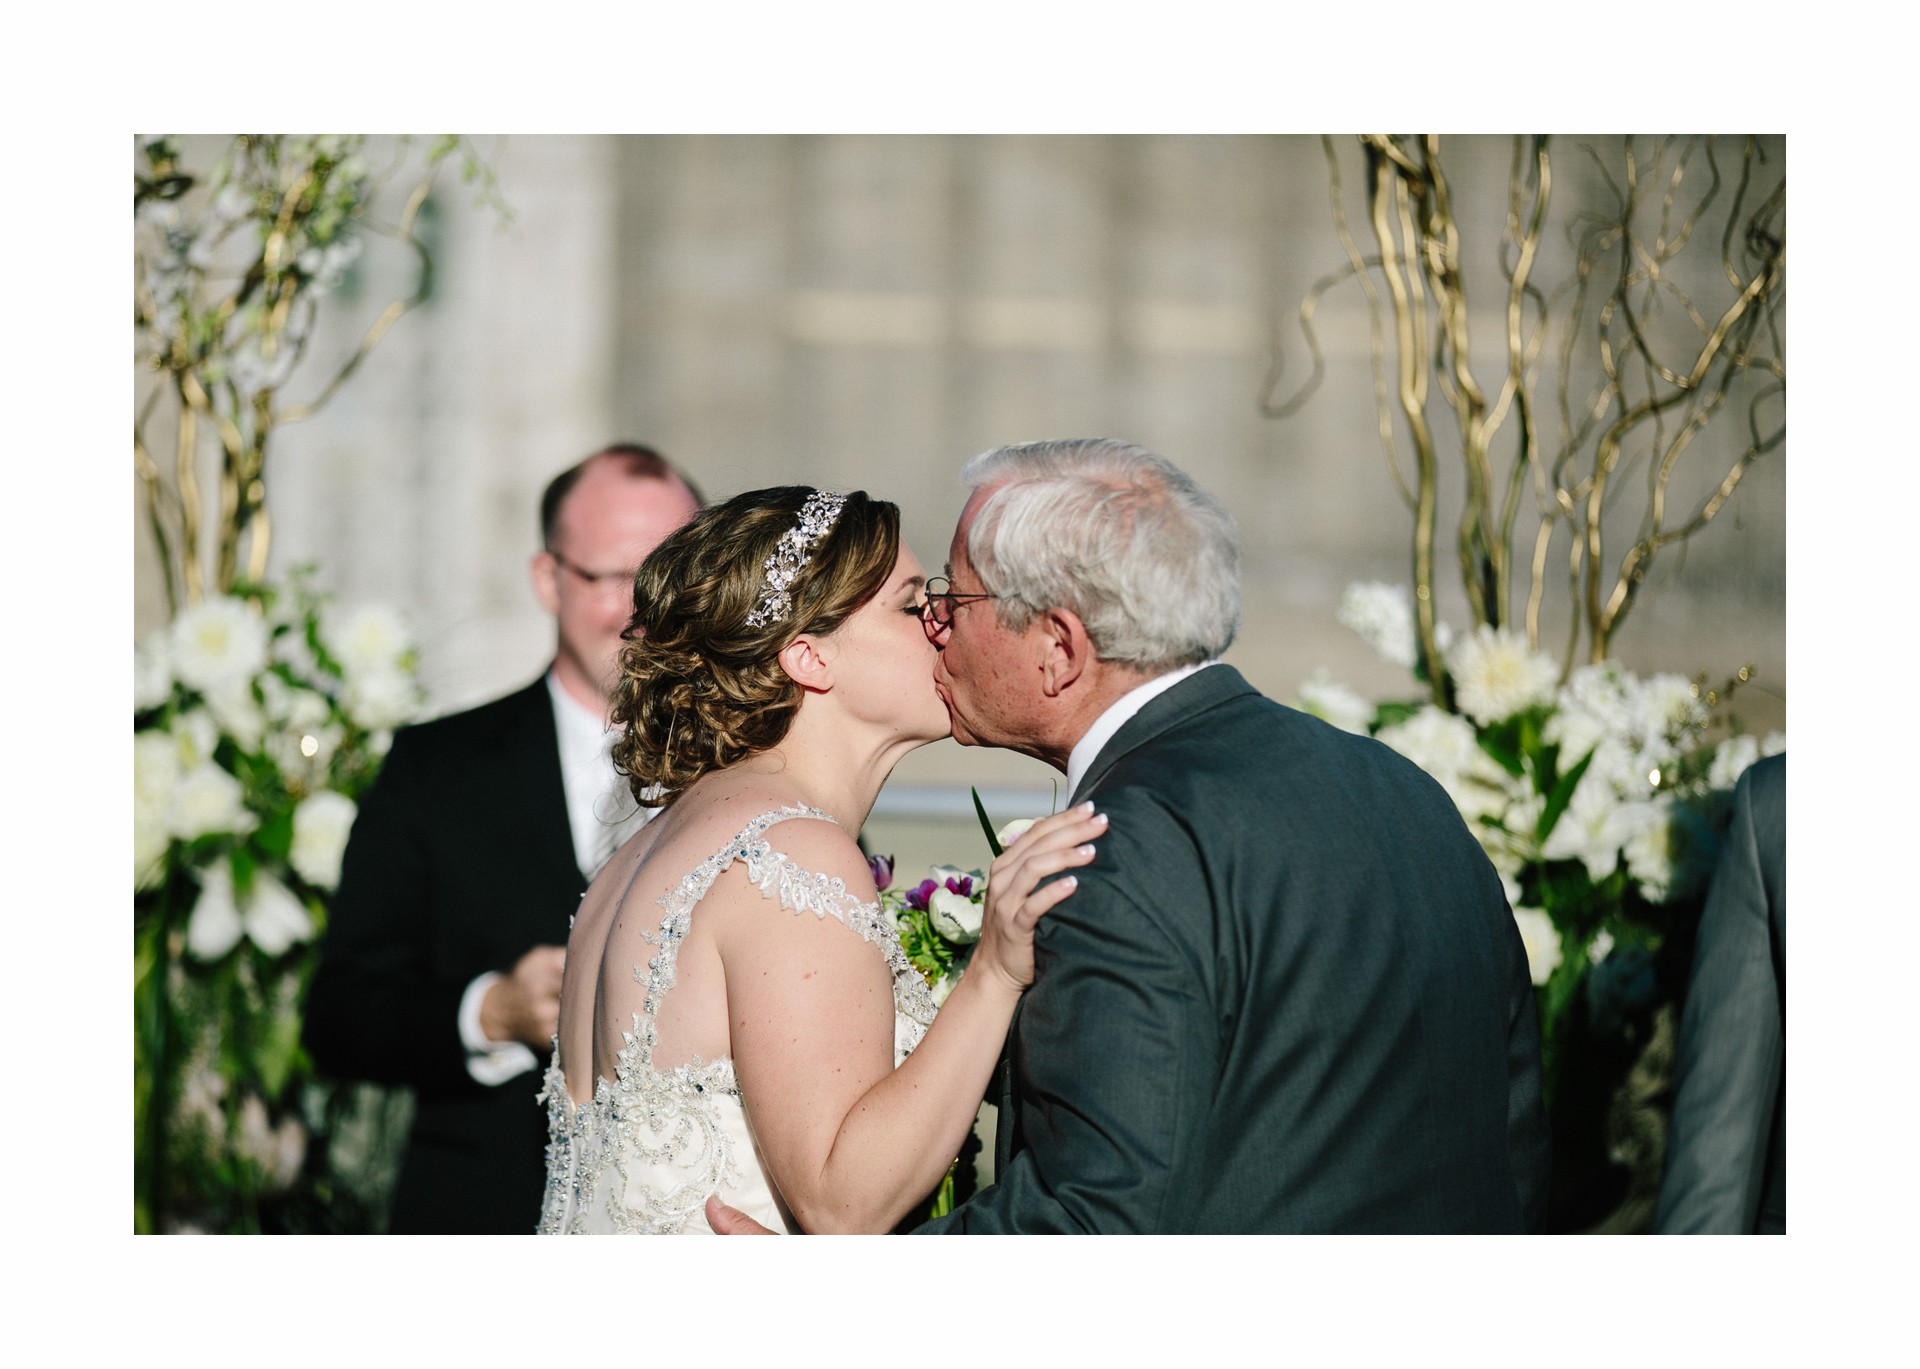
(700,685)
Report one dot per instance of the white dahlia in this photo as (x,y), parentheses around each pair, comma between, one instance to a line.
(1383,615)
(1496,674)
(216,643)
(370,638)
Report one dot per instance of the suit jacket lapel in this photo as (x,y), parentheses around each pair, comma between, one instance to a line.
(1196,694)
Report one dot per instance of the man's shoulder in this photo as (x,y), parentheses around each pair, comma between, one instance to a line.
(482,725)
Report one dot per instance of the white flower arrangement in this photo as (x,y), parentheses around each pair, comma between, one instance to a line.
(246,763)
(1600,801)
(259,718)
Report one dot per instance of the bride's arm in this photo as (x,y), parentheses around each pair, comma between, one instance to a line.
(851,1142)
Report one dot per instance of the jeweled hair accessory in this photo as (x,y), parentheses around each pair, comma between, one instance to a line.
(791,554)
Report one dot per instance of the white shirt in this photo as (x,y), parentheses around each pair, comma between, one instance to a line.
(1118,713)
(601,813)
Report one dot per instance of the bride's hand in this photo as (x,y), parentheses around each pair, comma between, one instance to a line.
(1014,904)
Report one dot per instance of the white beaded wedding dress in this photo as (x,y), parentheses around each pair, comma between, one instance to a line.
(651,1145)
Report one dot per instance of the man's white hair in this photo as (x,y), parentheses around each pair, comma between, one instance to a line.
(1148,560)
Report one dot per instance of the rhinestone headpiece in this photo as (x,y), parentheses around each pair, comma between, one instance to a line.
(791,554)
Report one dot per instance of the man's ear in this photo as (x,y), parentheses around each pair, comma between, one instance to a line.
(1067,652)
(808,662)
(545,573)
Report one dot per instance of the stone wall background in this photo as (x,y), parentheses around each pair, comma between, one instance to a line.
(869,311)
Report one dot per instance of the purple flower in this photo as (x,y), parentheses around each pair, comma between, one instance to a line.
(962,885)
(882,867)
(918,895)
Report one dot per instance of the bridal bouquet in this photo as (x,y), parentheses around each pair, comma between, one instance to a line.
(259,718)
(939,922)
(939,918)
(1601,800)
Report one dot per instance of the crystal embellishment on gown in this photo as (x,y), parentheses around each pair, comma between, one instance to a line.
(652,1145)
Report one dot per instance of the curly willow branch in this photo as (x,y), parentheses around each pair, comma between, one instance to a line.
(1642,410)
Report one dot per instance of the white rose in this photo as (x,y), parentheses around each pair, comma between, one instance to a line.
(320,827)
(956,916)
(1538,935)
(216,642)
(1773,743)
(1013,829)
(945,986)
(205,800)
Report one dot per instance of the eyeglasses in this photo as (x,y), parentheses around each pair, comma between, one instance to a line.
(599,579)
(941,601)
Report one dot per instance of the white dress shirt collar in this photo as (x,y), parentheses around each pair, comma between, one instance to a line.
(1116,716)
(600,807)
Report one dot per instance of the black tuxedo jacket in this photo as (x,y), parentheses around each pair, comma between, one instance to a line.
(460,860)
(1727,1146)
(1288,996)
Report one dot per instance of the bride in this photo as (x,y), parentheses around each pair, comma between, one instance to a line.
(737,1017)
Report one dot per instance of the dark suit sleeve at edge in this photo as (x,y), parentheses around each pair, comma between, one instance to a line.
(1114,1062)
(372,1010)
(1732,1042)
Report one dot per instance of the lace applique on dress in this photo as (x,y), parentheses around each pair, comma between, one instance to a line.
(652,1145)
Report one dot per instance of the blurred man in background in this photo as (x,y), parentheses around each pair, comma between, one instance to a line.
(440,971)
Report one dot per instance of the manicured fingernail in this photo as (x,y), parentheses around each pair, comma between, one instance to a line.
(1099,817)
(1087,807)
(1071,882)
(1086,850)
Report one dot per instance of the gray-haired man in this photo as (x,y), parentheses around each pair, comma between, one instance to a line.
(1288,994)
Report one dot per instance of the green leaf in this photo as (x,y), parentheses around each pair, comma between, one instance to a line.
(243,865)
(986,824)
(1504,741)
(274,837)
(1387,714)
(278,1053)
(1561,796)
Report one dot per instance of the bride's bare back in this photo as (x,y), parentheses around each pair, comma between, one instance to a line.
(816,1017)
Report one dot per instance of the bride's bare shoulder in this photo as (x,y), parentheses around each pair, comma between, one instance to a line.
(721,813)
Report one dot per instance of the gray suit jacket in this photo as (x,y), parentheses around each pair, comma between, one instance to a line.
(1727,1147)
(1287,996)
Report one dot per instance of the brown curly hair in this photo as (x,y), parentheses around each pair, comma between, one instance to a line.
(699,689)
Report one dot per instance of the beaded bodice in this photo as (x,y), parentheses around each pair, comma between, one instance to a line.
(651,1145)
